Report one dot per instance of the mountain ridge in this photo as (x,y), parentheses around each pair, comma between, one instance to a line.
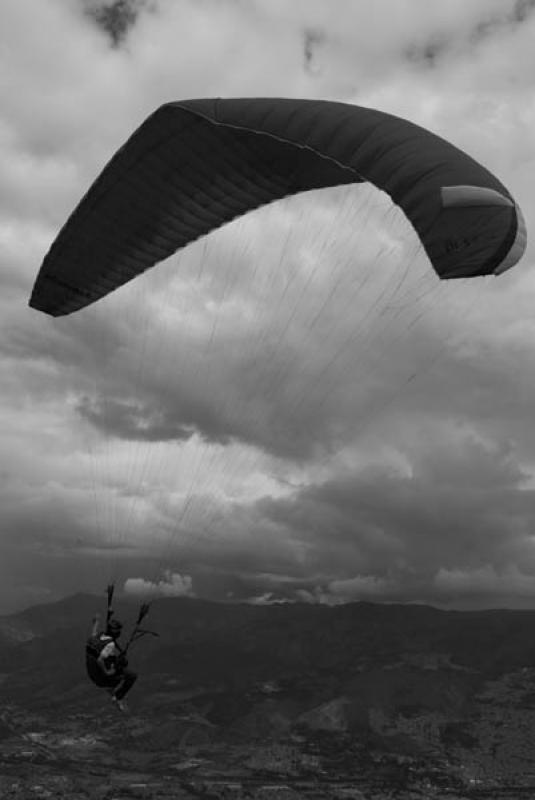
(448,695)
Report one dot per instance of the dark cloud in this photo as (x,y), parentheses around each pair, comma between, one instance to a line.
(521,11)
(459,504)
(128,420)
(430,52)
(445,45)
(313,38)
(115,17)
(291,410)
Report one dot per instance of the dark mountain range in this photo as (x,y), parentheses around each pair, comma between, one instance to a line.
(240,645)
(247,641)
(453,690)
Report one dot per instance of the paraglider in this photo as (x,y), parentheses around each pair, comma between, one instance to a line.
(194,165)
(107,660)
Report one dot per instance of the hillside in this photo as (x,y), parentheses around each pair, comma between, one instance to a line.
(406,695)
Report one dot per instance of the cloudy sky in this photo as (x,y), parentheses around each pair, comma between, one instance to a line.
(293,408)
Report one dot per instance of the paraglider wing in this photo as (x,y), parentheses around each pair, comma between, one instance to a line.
(194,165)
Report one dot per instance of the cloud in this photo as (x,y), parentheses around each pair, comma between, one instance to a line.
(127,420)
(115,17)
(267,599)
(487,580)
(460,504)
(293,409)
(171,585)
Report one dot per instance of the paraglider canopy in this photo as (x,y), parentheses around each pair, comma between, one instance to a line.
(194,165)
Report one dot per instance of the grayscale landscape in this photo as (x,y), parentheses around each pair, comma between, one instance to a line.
(361,701)
(267,364)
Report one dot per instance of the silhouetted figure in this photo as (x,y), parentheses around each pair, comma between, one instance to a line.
(106,661)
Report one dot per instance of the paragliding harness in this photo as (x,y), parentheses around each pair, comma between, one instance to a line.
(96,643)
